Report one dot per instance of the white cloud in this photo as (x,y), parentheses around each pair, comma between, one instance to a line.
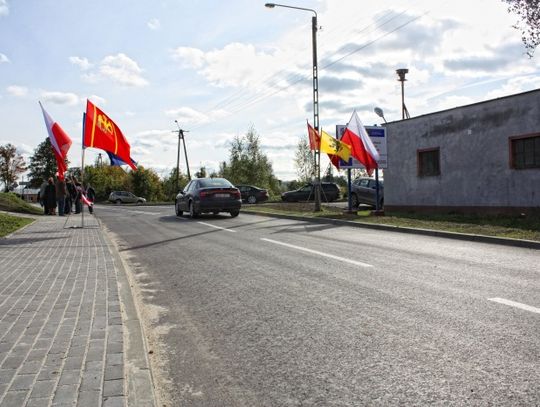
(60,98)
(187,115)
(236,64)
(19,91)
(82,63)
(123,70)
(4,8)
(189,57)
(3,58)
(154,24)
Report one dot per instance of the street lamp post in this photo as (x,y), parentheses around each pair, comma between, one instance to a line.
(315,96)
(401,78)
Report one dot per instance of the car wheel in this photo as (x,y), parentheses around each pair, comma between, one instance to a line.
(139,202)
(354,201)
(235,213)
(192,212)
(252,199)
(118,202)
(177,209)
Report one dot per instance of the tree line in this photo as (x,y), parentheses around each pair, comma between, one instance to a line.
(247,165)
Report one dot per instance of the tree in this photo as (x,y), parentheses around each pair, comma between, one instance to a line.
(146,183)
(42,164)
(169,185)
(528,12)
(11,165)
(201,173)
(304,161)
(248,164)
(105,179)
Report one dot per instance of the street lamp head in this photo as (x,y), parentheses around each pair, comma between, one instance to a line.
(270,5)
(379,112)
(401,73)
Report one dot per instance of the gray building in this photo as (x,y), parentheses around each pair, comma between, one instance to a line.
(479,158)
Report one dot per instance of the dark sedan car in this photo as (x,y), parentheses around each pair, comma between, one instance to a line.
(329,193)
(208,195)
(252,195)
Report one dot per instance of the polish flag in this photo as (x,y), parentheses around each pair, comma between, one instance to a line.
(60,141)
(85,200)
(362,147)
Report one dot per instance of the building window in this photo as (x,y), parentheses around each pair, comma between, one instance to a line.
(525,152)
(429,162)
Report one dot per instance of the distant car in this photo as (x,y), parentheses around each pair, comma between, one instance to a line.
(329,193)
(208,195)
(364,191)
(252,195)
(119,197)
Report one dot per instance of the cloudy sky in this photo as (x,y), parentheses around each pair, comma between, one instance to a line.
(220,67)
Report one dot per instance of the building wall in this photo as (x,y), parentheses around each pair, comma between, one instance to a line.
(475,164)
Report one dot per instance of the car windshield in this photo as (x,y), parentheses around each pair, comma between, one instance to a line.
(215,182)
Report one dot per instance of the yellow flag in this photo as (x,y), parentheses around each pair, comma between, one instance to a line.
(331,145)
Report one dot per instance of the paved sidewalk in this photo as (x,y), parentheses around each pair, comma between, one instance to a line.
(65,336)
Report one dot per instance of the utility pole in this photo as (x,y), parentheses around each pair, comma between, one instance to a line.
(181,138)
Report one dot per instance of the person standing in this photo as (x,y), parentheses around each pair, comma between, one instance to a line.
(91,196)
(60,195)
(77,199)
(49,198)
(70,195)
(41,196)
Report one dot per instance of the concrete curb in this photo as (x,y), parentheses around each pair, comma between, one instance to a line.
(139,382)
(528,244)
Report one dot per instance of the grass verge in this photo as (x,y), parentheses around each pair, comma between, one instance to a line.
(12,203)
(514,227)
(9,223)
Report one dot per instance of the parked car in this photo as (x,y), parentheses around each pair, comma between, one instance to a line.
(205,195)
(252,195)
(363,191)
(119,197)
(329,193)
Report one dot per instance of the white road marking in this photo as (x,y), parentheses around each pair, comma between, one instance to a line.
(217,227)
(515,304)
(331,256)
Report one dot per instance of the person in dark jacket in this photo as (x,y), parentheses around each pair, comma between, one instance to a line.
(77,199)
(70,196)
(60,195)
(49,197)
(91,195)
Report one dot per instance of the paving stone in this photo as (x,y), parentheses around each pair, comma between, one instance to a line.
(22,382)
(43,389)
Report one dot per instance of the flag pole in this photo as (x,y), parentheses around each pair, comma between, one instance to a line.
(82,173)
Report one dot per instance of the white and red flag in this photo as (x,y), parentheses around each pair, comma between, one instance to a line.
(362,148)
(85,200)
(60,141)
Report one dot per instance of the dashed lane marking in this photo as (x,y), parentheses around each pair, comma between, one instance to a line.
(516,304)
(330,256)
(217,227)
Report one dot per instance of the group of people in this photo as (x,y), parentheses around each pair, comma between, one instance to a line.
(64,194)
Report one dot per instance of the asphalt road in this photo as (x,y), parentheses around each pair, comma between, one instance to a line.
(258,311)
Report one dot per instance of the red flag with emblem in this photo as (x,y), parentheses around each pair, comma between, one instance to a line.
(314,138)
(101,132)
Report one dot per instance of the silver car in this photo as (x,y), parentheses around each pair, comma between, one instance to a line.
(119,197)
(364,191)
